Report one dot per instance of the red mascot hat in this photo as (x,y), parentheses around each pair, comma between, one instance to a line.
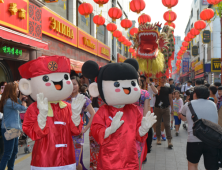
(45,65)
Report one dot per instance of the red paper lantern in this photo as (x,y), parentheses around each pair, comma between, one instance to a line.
(133,31)
(170,24)
(134,54)
(99,20)
(126,23)
(144,18)
(190,36)
(85,9)
(207,14)
(170,16)
(194,32)
(170,3)
(214,2)
(137,6)
(111,27)
(187,39)
(185,44)
(122,39)
(101,2)
(183,49)
(115,13)
(179,57)
(117,34)
(129,43)
(131,50)
(199,25)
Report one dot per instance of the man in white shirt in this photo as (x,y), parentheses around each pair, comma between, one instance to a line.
(185,88)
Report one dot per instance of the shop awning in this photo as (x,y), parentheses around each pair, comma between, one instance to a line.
(76,65)
(18,37)
(199,76)
(185,74)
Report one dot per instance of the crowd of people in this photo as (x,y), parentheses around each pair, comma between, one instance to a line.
(168,100)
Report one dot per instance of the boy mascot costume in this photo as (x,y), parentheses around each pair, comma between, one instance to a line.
(117,125)
(50,122)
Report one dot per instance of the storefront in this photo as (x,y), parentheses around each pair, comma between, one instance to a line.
(215,75)
(192,70)
(120,58)
(199,70)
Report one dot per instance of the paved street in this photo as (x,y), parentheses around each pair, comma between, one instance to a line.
(160,158)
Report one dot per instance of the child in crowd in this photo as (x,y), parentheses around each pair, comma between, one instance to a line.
(219,104)
(172,118)
(177,105)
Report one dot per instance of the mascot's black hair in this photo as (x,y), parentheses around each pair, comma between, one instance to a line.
(110,72)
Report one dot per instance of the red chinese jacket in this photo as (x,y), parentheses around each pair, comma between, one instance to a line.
(53,145)
(118,151)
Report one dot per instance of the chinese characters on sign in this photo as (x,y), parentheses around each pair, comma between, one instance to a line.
(10,50)
(185,65)
(195,51)
(199,67)
(206,37)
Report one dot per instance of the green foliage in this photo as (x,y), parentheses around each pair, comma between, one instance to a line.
(218,9)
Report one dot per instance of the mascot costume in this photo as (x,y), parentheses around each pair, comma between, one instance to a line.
(119,124)
(49,121)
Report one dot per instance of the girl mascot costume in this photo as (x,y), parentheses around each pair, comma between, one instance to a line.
(119,124)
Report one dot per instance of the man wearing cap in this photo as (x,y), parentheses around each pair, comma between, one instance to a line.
(49,121)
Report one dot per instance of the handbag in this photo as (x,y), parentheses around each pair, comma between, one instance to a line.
(12,133)
(208,132)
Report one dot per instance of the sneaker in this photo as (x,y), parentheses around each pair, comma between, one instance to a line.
(154,137)
(163,137)
(177,133)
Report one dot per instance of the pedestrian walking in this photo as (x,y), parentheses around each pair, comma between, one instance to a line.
(219,104)
(186,87)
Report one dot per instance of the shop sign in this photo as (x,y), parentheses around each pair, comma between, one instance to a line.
(193,63)
(195,50)
(10,50)
(215,65)
(103,51)
(120,58)
(185,65)
(199,67)
(57,27)
(15,15)
(76,65)
(87,42)
(206,37)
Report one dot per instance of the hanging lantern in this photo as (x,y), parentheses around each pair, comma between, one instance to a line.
(170,3)
(131,50)
(111,27)
(137,5)
(85,9)
(185,44)
(214,2)
(133,31)
(170,16)
(170,24)
(129,43)
(184,49)
(117,34)
(101,2)
(144,18)
(187,39)
(99,20)
(190,36)
(207,14)
(194,32)
(122,39)
(199,25)
(134,54)
(126,23)
(179,57)
(115,13)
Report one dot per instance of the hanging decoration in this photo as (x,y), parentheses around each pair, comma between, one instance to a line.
(122,39)
(200,25)
(185,44)
(117,34)
(170,24)
(101,2)
(126,23)
(207,14)
(137,5)
(64,6)
(115,13)
(169,3)
(85,9)
(190,36)
(111,27)
(187,39)
(214,2)
(144,18)
(194,32)
(133,31)
(131,50)
(170,16)
(184,49)
(99,20)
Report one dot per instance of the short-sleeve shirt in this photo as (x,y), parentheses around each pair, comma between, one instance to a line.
(163,96)
(204,109)
(144,96)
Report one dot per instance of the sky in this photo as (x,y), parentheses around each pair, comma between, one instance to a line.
(155,9)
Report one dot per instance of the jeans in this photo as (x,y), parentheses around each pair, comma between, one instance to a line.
(10,151)
(165,114)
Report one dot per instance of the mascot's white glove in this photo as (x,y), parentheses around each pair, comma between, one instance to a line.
(42,104)
(147,123)
(77,105)
(116,123)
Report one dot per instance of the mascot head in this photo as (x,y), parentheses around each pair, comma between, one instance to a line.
(116,83)
(48,75)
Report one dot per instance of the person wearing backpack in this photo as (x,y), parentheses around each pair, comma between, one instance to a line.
(204,109)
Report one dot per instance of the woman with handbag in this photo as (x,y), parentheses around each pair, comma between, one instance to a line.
(10,105)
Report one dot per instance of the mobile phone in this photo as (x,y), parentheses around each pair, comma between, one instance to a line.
(2,89)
